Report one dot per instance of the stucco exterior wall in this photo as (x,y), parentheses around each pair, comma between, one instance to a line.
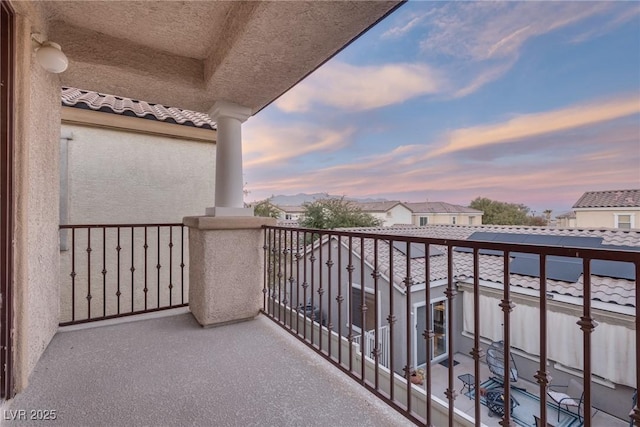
(123,177)
(36,260)
(601,218)
(448,218)
(400,215)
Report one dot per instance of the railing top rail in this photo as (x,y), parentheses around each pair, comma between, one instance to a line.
(609,254)
(170,224)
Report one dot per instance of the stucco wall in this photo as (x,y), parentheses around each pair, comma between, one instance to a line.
(446,218)
(36,191)
(123,177)
(400,215)
(605,218)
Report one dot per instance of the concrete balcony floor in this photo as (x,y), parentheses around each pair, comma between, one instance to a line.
(168,371)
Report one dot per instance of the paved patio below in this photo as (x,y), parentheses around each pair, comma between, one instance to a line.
(169,371)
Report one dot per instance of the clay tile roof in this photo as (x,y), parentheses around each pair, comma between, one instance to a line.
(605,289)
(569,215)
(440,207)
(609,199)
(377,206)
(89,100)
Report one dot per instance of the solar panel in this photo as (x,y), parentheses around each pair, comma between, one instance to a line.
(417,249)
(558,268)
(617,269)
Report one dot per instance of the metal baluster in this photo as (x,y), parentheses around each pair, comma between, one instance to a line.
(298,257)
(133,269)
(350,269)
(118,293)
(450,293)
(587,325)
(407,283)
(329,286)
(312,259)
(146,289)
(88,273)
(340,300)
(391,320)
(542,376)
(476,352)
(376,339)
(363,312)
(104,271)
(428,333)
(320,292)
(73,274)
(182,263)
(158,267)
(170,266)
(507,306)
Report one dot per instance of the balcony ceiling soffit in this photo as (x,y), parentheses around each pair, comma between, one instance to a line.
(189,54)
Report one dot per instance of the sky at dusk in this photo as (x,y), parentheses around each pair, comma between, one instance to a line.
(523,102)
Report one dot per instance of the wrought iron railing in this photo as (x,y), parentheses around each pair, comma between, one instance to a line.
(321,286)
(116,270)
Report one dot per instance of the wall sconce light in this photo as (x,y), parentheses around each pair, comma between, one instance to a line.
(49,55)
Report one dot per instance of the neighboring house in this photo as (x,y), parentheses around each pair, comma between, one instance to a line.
(431,213)
(390,212)
(124,161)
(566,220)
(613,298)
(291,213)
(608,209)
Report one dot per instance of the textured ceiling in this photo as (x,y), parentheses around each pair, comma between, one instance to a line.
(190,54)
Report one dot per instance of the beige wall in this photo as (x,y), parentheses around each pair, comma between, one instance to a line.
(122,177)
(447,218)
(605,218)
(396,215)
(36,199)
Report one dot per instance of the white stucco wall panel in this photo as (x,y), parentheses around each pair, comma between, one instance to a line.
(122,177)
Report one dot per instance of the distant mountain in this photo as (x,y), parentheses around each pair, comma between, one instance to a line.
(301,198)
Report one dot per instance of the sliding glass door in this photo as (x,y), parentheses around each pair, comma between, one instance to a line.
(439,320)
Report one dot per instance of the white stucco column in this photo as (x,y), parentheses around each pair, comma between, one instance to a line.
(229,196)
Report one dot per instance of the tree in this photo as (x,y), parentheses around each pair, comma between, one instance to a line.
(266,208)
(547,215)
(336,213)
(501,213)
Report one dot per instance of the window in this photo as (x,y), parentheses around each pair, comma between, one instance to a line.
(453,220)
(624,221)
(287,216)
(471,220)
(356,310)
(424,220)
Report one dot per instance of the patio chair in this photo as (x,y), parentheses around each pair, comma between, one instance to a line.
(495,361)
(573,397)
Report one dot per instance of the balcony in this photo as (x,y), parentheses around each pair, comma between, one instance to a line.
(169,371)
(323,289)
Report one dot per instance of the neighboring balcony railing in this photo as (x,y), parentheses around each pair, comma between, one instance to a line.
(326,286)
(115,270)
